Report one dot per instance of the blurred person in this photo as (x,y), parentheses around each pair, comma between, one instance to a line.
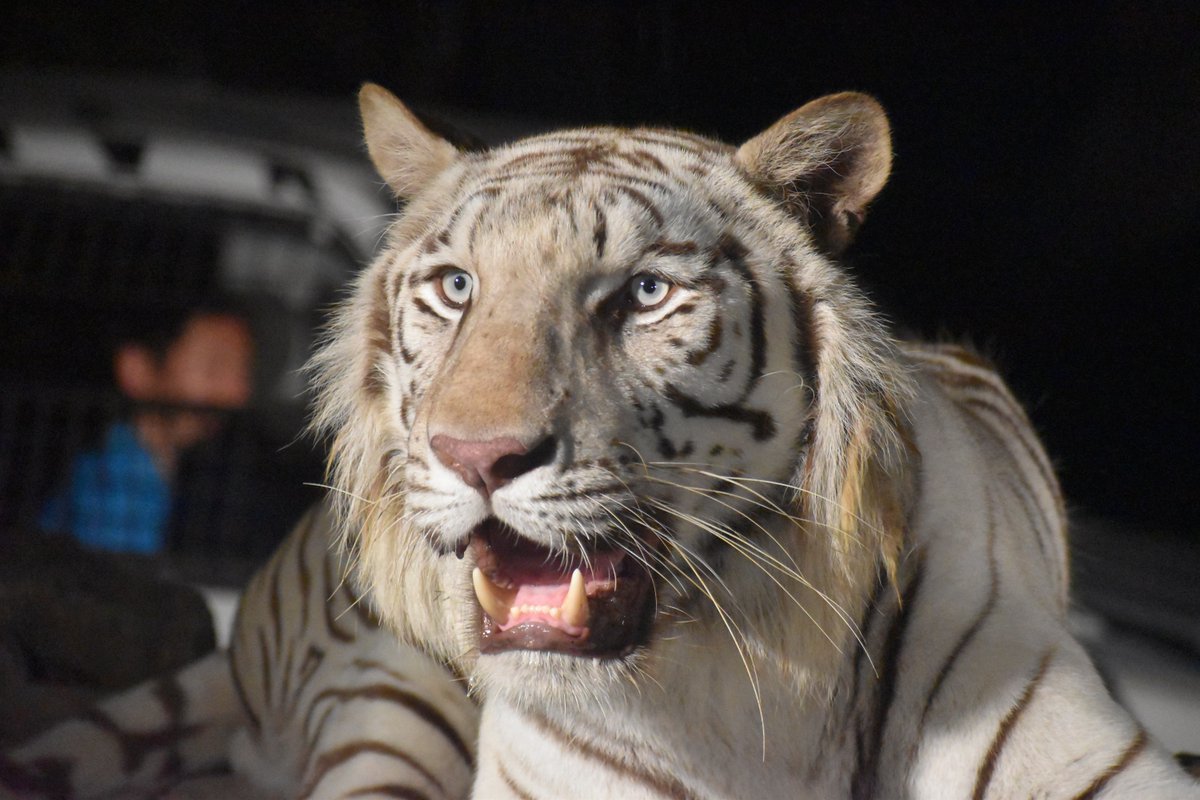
(179,372)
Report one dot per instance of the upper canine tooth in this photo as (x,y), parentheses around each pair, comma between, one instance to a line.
(497,602)
(574,609)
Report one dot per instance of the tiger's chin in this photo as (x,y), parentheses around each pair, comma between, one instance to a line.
(597,602)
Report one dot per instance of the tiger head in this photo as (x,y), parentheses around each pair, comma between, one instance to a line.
(605,396)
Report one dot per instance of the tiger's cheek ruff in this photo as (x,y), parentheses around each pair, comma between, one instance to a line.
(368,399)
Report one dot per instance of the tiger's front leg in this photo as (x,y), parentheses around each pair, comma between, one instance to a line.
(386,730)
(335,705)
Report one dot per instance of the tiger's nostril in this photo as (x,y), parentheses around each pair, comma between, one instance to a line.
(488,465)
(514,465)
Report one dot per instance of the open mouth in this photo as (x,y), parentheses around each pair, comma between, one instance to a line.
(595,602)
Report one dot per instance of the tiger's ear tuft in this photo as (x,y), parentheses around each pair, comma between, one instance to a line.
(405,153)
(825,161)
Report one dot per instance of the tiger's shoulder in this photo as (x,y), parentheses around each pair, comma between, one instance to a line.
(986,672)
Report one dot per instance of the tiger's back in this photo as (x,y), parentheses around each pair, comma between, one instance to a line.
(979,690)
(325,689)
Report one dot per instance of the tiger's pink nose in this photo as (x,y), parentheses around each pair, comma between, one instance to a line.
(487,466)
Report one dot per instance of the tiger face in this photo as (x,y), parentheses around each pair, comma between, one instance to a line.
(604,394)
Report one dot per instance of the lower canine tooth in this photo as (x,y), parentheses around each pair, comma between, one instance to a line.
(574,609)
(496,602)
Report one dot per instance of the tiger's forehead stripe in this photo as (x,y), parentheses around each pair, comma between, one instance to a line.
(582,175)
(674,141)
(600,231)
(637,156)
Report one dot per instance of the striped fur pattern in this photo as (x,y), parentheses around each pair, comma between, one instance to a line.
(635,349)
(313,700)
(636,346)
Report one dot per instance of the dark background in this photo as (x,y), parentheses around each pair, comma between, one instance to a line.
(1045,202)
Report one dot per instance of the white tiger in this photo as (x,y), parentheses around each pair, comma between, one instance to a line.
(616,439)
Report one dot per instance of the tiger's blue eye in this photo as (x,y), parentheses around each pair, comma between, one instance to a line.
(649,291)
(455,288)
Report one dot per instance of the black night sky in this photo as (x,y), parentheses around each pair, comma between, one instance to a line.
(1045,202)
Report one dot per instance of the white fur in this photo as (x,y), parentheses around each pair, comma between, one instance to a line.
(794,671)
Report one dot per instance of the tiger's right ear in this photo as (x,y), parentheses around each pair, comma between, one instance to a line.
(405,153)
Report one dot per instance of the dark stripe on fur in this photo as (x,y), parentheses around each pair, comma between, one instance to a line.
(984,407)
(673,140)
(665,247)
(642,200)
(870,613)
(585,492)
(711,345)
(560,173)
(966,356)
(136,747)
(368,664)
(333,759)
(1134,749)
(642,157)
(313,657)
(512,785)
(865,779)
(424,308)
(742,525)
(600,232)
(988,768)
(968,636)
(312,733)
(302,567)
(417,705)
(275,604)
(994,399)
(1044,525)
(733,252)
(264,659)
(407,355)
(762,424)
(836,728)
(1038,523)
(683,309)
(240,690)
(666,785)
(806,344)
(379,335)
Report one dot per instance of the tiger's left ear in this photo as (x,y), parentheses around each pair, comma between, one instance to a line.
(404,151)
(825,161)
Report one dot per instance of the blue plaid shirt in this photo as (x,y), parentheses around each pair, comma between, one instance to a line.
(114,498)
